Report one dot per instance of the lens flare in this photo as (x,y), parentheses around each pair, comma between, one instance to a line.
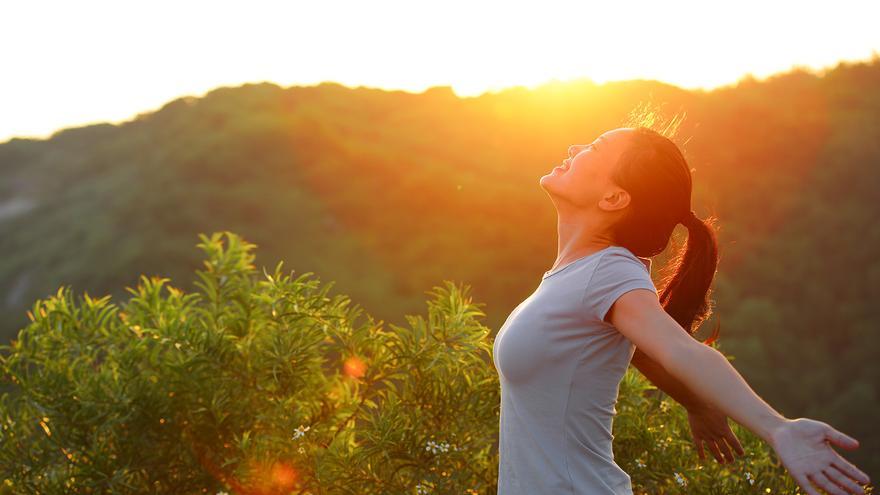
(354,367)
(283,475)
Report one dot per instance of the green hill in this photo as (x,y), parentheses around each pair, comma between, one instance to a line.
(387,193)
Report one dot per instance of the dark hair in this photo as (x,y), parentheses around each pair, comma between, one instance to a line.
(656,175)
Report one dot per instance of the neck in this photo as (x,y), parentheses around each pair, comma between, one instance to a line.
(578,235)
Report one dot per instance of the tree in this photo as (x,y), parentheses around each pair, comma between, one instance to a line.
(269,384)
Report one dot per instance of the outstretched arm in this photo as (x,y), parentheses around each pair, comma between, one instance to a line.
(802,444)
(660,377)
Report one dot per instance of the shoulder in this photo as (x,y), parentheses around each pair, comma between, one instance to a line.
(617,272)
(616,255)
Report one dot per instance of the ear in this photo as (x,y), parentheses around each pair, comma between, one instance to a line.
(614,199)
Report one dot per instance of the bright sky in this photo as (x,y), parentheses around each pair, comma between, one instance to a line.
(69,63)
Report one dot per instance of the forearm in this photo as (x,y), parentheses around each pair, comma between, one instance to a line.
(708,374)
(662,379)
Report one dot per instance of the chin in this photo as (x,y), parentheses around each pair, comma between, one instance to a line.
(543,181)
(548,183)
(548,178)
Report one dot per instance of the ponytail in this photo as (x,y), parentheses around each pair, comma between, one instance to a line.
(685,294)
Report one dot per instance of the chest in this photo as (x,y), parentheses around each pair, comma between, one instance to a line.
(548,334)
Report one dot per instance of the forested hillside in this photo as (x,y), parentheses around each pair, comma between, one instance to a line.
(386,193)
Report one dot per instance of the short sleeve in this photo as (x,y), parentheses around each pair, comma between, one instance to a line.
(617,272)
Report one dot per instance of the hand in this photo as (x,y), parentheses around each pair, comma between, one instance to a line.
(803,447)
(709,425)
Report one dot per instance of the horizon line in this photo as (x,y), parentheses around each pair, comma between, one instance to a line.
(491,91)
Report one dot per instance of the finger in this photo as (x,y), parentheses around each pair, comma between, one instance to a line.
(841,439)
(699,446)
(732,440)
(849,469)
(725,449)
(805,484)
(715,452)
(826,484)
(843,480)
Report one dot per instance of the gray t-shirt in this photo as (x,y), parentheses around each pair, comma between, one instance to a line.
(560,366)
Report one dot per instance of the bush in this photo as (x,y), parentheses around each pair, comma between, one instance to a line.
(268,384)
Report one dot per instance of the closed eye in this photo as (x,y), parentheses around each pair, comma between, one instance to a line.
(588,146)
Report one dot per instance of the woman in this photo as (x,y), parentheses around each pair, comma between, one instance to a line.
(562,352)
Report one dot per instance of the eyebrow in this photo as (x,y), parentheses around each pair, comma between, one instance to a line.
(593,144)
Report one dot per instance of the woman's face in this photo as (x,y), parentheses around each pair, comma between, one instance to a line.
(584,178)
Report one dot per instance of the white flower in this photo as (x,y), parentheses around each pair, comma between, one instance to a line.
(750,478)
(640,463)
(680,479)
(222,493)
(664,442)
(299,432)
(421,489)
(435,447)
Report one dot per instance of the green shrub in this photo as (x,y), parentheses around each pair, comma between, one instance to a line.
(269,384)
